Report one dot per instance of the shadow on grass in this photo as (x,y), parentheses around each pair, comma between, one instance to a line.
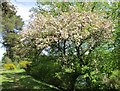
(26,83)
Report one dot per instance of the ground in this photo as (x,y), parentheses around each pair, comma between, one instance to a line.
(18,79)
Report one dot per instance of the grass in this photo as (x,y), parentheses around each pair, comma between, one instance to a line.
(18,79)
(12,71)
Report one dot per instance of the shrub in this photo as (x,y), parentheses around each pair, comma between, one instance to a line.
(24,64)
(9,66)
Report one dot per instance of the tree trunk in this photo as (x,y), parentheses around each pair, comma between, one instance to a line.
(73,79)
(64,47)
(79,56)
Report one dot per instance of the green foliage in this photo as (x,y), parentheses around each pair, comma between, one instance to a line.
(45,69)
(6,59)
(8,16)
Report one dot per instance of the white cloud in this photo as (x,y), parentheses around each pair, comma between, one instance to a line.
(2,50)
(23,9)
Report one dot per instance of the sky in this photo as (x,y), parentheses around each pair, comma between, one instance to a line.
(23,7)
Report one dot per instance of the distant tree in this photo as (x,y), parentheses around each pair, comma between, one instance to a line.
(11,24)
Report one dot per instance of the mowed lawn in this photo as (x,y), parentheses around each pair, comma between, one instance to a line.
(19,80)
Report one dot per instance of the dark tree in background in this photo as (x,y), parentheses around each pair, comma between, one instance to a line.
(11,25)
